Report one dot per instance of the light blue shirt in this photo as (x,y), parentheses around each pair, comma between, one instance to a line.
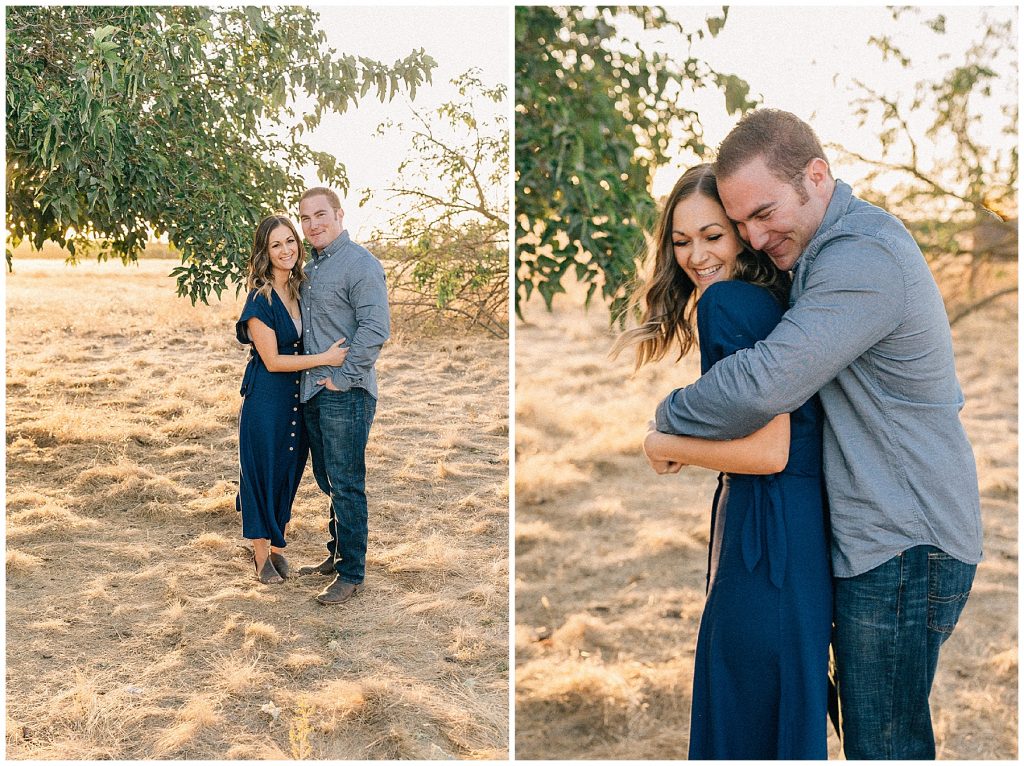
(868,331)
(345,295)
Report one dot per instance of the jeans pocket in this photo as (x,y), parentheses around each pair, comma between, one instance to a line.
(949,585)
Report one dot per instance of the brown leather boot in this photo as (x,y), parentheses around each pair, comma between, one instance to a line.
(325,567)
(339,591)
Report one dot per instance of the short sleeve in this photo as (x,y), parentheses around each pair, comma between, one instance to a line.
(732,315)
(257,306)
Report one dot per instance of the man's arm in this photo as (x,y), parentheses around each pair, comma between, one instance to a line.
(369,299)
(854,297)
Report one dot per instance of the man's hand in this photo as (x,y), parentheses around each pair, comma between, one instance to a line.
(328,384)
(658,461)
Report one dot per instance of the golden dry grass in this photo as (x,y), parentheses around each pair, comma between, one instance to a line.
(611,559)
(135,626)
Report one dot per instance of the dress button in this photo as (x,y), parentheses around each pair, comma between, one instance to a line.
(295,409)
(293,422)
(296,396)
(297,381)
(293,433)
(291,449)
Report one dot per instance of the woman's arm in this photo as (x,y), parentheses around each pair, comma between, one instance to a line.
(765,451)
(265,340)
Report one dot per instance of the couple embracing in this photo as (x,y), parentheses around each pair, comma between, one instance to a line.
(847,510)
(310,388)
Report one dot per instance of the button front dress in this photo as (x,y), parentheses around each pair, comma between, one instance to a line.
(761,666)
(272,446)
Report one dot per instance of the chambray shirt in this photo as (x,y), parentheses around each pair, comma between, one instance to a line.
(867,330)
(345,296)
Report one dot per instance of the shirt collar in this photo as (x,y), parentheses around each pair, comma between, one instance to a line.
(339,242)
(837,206)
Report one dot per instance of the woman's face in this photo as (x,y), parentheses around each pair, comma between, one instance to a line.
(704,241)
(283,248)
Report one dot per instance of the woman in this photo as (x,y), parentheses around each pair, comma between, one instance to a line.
(761,664)
(272,447)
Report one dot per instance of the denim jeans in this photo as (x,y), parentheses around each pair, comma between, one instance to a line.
(889,625)
(338,425)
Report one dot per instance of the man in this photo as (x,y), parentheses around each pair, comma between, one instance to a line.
(345,296)
(866,329)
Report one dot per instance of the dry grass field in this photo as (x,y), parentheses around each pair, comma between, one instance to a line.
(610,558)
(135,626)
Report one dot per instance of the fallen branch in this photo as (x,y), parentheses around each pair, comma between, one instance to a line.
(980,304)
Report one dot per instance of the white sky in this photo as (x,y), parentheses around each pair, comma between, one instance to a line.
(801,59)
(790,55)
(458,38)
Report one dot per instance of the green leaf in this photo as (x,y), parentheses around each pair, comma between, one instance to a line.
(102,33)
(715,23)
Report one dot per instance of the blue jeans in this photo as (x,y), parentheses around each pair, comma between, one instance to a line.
(889,625)
(338,425)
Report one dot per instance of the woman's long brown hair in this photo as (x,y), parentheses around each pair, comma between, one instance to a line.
(666,300)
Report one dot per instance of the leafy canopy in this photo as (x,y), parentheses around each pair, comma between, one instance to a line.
(129,122)
(596,114)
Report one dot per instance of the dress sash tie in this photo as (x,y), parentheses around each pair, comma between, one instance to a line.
(248,375)
(764,529)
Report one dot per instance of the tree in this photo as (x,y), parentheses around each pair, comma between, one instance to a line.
(448,241)
(955,192)
(134,121)
(595,115)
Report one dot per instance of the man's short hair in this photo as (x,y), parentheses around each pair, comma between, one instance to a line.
(784,141)
(318,191)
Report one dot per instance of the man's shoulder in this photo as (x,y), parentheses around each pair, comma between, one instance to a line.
(865,219)
(860,230)
(355,253)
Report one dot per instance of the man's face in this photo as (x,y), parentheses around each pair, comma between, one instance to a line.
(321,224)
(769,212)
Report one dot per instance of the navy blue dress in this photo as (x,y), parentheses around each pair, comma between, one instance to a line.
(272,446)
(760,680)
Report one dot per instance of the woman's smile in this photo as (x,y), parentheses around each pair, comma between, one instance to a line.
(709,272)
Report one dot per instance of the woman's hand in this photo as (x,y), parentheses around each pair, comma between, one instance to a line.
(654,456)
(335,355)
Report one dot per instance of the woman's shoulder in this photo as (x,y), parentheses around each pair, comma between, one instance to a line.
(736,289)
(258,305)
(256,295)
(735,303)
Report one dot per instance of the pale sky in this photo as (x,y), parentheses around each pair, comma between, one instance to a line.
(458,38)
(790,55)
